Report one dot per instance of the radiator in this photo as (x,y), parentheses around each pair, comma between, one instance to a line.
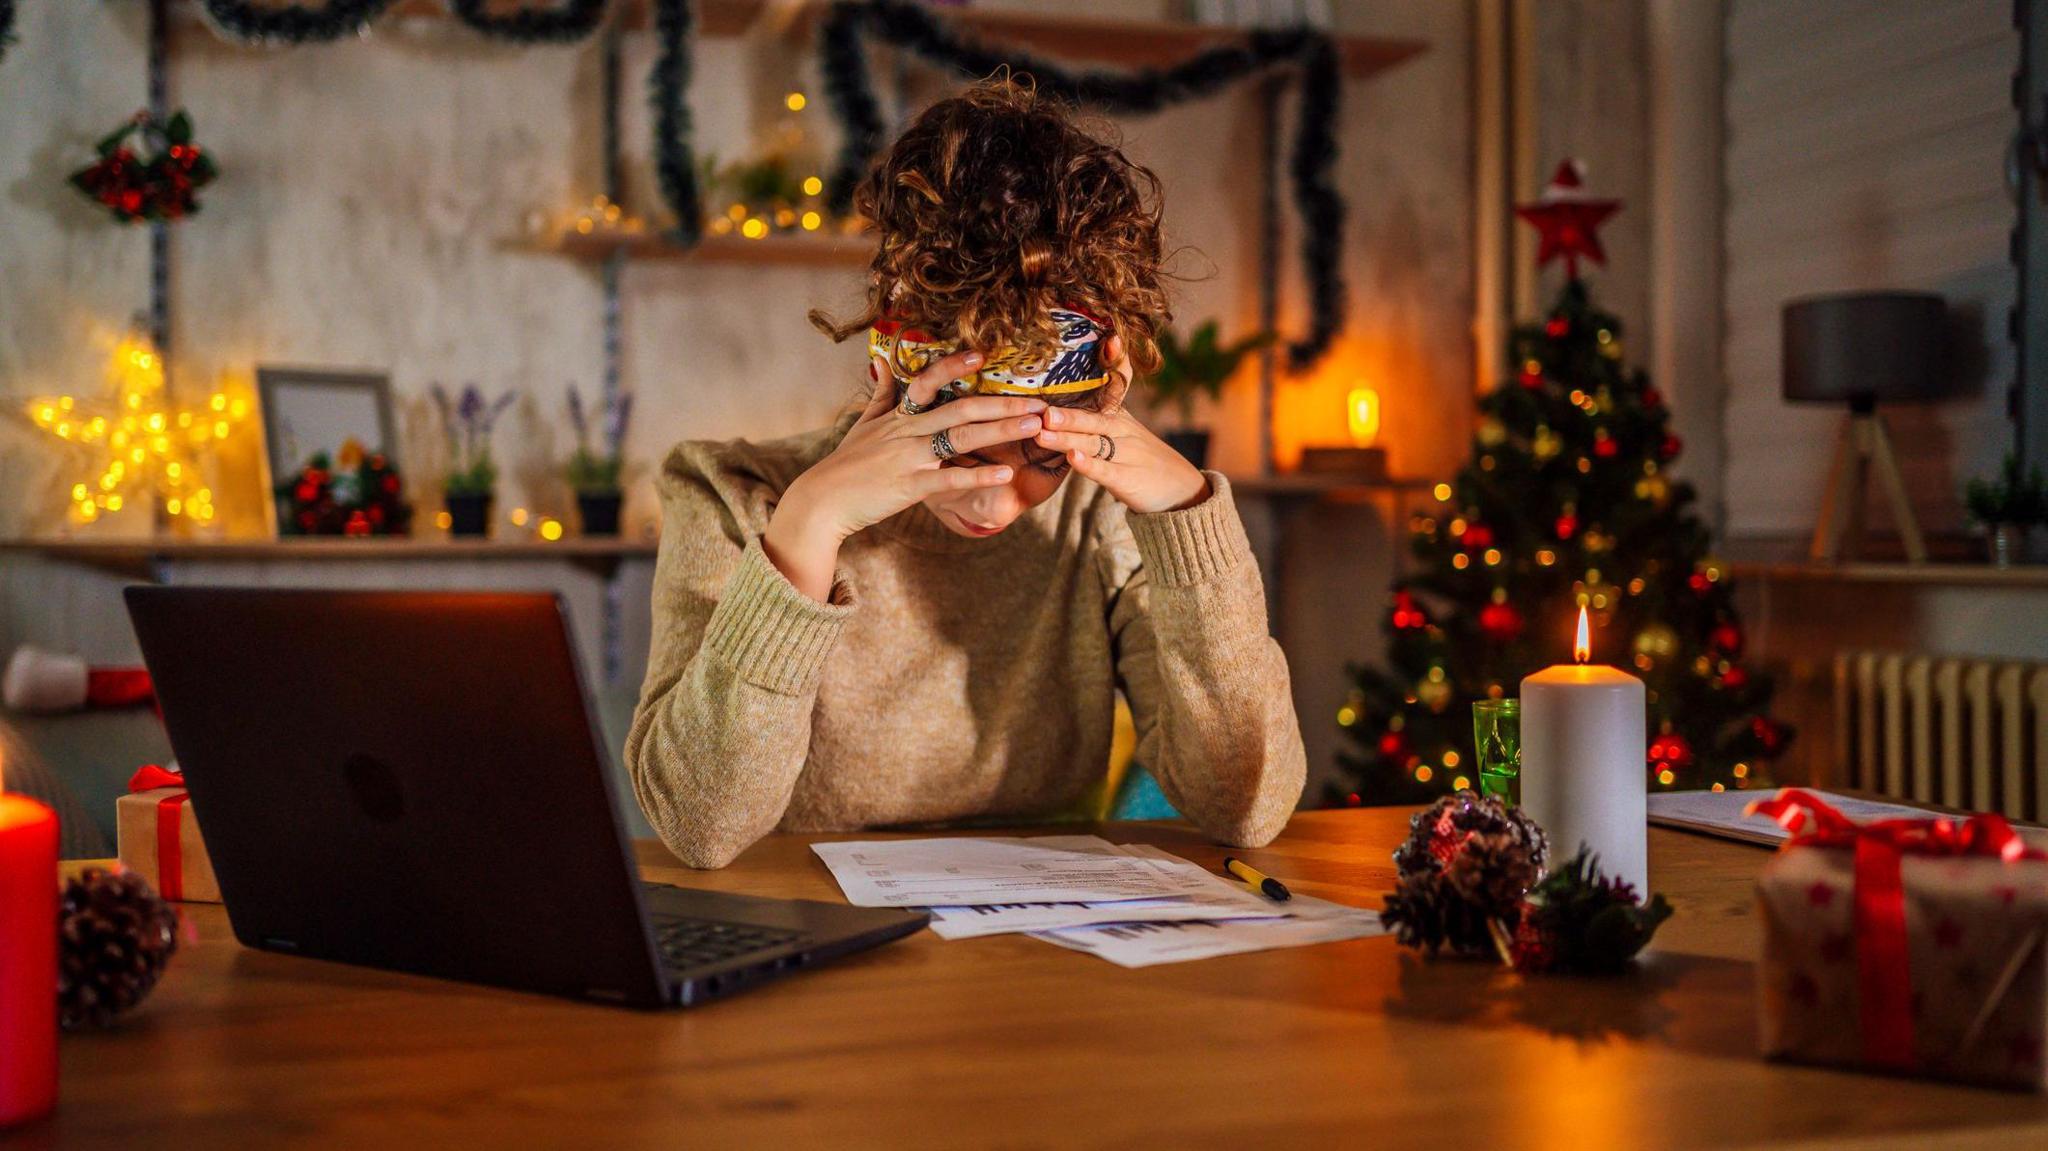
(1964,733)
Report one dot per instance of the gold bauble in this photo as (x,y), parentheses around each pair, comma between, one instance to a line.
(1492,433)
(1435,694)
(1546,443)
(1657,641)
(1595,540)
(1655,489)
(1713,569)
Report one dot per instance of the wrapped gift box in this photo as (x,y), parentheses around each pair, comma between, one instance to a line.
(158,833)
(1917,947)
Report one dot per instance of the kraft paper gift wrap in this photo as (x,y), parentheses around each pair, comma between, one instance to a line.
(1953,986)
(159,838)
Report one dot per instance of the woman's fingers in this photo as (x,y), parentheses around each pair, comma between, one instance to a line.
(971,410)
(1084,421)
(1094,467)
(925,387)
(1088,442)
(987,434)
(958,479)
(884,395)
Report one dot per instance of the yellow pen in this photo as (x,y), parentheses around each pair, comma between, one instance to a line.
(1258,881)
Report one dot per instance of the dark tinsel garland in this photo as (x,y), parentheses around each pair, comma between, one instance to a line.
(572,21)
(566,22)
(6,26)
(295,23)
(1313,156)
(675,165)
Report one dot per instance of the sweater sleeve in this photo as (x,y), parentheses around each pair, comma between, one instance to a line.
(1208,687)
(723,725)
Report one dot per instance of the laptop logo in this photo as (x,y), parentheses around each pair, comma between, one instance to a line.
(374,786)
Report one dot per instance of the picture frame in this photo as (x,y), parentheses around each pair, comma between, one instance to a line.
(309,410)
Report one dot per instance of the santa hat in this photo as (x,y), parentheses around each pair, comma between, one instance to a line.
(50,683)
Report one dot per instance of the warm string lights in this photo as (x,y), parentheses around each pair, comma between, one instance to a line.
(147,445)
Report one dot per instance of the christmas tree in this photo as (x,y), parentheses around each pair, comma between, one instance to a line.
(1565,504)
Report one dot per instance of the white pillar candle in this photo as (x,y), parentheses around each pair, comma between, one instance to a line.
(1583,765)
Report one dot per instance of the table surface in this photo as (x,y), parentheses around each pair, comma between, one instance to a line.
(1014,1042)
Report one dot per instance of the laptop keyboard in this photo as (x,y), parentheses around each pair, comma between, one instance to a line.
(702,942)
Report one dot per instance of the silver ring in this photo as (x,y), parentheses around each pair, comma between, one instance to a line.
(910,407)
(1106,449)
(942,444)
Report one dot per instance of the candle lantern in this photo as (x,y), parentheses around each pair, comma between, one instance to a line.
(1362,459)
(1583,734)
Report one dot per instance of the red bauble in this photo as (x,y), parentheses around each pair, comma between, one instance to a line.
(1670,448)
(1500,622)
(1769,736)
(1477,538)
(1557,327)
(1652,398)
(1735,679)
(1726,638)
(1670,751)
(1699,583)
(1606,447)
(1406,616)
(1567,526)
(1531,380)
(1394,745)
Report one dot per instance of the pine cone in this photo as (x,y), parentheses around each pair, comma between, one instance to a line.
(1494,869)
(1427,913)
(1436,833)
(114,935)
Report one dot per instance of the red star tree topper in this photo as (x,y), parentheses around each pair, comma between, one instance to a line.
(1569,219)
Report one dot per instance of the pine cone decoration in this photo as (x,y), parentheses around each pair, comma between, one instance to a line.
(1466,864)
(114,935)
(1427,913)
(1436,833)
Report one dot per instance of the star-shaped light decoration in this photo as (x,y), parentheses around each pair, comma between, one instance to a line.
(146,444)
(1569,219)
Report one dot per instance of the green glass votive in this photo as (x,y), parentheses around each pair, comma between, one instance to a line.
(1497,734)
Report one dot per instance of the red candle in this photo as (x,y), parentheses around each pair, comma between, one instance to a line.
(28,960)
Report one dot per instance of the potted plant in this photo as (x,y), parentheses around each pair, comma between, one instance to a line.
(594,472)
(2009,506)
(1196,367)
(472,474)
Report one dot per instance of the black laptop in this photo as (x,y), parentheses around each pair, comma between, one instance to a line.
(411,780)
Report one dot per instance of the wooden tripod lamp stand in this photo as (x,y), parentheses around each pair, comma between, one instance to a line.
(1860,349)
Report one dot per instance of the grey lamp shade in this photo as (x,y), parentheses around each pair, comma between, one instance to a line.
(1863,348)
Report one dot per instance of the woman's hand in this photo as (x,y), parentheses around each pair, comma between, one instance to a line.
(1115,450)
(886,463)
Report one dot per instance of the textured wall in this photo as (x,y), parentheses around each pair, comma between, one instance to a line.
(371,189)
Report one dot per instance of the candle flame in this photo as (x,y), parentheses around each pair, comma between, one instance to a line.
(1582,647)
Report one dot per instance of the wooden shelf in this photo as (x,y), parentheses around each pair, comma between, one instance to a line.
(1128,43)
(139,558)
(801,250)
(1927,574)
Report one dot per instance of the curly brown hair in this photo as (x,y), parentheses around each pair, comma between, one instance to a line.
(994,206)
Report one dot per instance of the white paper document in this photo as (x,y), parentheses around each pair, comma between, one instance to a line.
(955,872)
(1148,944)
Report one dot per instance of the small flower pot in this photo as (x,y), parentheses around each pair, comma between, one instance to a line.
(469,514)
(1191,443)
(599,512)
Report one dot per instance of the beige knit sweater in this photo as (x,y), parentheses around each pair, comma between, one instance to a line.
(949,677)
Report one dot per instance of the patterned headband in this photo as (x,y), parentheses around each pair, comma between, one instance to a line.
(1075,367)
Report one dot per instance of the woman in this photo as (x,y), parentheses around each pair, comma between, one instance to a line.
(918,615)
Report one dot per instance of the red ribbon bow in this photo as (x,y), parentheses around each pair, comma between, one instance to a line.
(170,855)
(1884,981)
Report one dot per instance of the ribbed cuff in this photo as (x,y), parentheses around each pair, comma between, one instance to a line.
(773,635)
(1193,544)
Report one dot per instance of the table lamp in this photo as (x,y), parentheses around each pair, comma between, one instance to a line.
(1858,349)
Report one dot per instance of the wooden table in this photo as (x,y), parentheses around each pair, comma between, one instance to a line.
(1011,1042)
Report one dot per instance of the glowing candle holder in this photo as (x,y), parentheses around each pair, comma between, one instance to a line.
(1363,459)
